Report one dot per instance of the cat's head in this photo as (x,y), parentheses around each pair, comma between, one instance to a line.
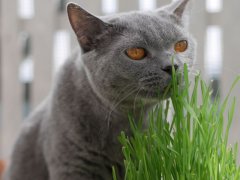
(131,54)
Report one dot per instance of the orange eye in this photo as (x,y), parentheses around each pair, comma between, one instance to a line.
(181,46)
(136,53)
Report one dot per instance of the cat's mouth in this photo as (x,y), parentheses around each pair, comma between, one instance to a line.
(154,88)
(156,93)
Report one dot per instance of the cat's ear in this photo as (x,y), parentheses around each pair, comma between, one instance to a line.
(87,27)
(180,8)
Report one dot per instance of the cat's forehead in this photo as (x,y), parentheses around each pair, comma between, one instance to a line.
(140,18)
(150,24)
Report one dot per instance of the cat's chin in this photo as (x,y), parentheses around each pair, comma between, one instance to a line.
(154,96)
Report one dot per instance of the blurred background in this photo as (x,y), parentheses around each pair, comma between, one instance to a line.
(36,38)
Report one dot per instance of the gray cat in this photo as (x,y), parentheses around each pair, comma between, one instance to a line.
(123,60)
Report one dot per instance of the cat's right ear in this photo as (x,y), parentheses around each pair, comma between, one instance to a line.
(180,9)
(87,27)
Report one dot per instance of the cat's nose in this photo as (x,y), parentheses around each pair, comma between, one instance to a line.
(168,69)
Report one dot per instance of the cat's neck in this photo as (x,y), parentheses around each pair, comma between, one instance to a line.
(73,94)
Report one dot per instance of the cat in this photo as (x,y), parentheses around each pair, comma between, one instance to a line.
(122,60)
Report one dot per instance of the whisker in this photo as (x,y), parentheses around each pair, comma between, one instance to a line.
(134,102)
(121,91)
(118,103)
(149,77)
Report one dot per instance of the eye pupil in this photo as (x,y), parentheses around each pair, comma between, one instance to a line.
(136,53)
(181,46)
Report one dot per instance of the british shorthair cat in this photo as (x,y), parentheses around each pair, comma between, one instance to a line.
(122,59)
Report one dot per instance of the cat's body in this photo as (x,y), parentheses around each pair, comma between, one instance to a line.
(69,148)
(73,135)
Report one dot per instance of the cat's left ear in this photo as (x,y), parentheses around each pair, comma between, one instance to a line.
(180,8)
(87,27)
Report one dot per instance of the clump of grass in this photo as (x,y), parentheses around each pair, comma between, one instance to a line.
(192,145)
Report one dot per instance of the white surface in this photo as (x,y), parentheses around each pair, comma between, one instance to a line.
(146,5)
(61,49)
(214,6)
(213,51)
(109,6)
(26,9)
(26,70)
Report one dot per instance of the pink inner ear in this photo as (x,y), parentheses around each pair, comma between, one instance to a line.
(181,8)
(73,18)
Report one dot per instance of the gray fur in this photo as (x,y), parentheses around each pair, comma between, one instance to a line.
(73,134)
